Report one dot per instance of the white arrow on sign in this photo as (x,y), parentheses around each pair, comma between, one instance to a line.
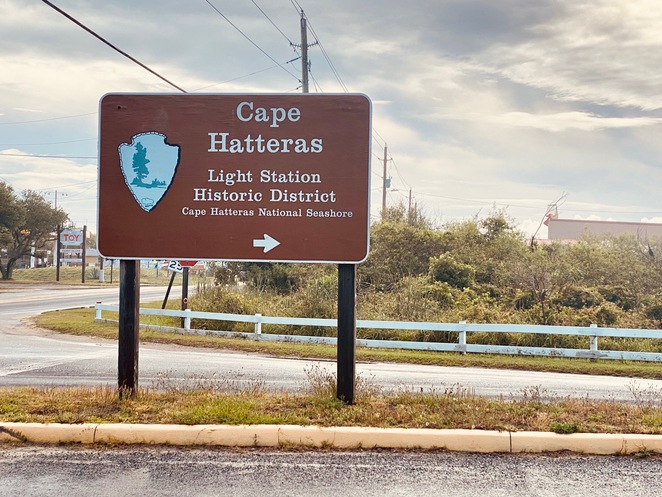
(267,242)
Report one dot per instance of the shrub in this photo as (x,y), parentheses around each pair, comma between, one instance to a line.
(523,299)
(654,312)
(578,298)
(617,295)
(447,269)
(224,301)
(607,314)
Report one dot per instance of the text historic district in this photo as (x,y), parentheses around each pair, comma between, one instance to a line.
(274,195)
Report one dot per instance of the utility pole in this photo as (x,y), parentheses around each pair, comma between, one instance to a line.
(384,180)
(346,348)
(409,210)
(304,53)
(55,193)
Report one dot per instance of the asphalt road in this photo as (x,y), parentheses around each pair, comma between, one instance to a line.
(162,471)
(30,356)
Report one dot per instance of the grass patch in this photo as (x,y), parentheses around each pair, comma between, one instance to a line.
(450,409)
(73,276)
(81,322)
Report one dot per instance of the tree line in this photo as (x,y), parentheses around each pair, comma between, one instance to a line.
(27,224)
(480,270)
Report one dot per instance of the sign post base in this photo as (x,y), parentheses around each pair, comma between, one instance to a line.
(129,325)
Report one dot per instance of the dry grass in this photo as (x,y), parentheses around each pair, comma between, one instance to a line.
(221,402)
(73,276)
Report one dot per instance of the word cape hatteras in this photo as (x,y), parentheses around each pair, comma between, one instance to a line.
(235,177)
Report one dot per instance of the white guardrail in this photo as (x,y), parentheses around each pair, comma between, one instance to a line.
(593,332)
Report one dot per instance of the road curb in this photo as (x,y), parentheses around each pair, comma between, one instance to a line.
(330,437)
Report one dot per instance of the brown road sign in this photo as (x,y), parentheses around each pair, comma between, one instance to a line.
(236,177)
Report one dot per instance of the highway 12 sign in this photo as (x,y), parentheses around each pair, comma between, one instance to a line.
(280,178)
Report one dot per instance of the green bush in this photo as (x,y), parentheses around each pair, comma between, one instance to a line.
(607,314)
(618,295)
(223,301)
(445,268)
(479,271)
(523,299)
(654,312)
(578,298)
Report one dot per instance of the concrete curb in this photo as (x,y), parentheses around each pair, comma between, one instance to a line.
(331,437)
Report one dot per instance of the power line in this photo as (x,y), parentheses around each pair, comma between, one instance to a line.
(296,6)
(272,23)
(398,172)
(75,184)
(246,75)
(380,136)
(326,56)
(49,119)
(99,37)
(46,143)
(317,86)
(250,40)
(48,156)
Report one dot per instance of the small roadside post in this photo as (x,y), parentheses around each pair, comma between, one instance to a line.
(346,367)
(57,254)
(129,326)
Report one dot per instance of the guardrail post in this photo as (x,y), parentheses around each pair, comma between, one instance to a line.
(593,340)
(463,337)
(187,319)
(97,314)
(258,324)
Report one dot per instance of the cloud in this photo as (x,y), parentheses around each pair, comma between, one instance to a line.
(558,122)
(601,52)
(481,102)
(73,184)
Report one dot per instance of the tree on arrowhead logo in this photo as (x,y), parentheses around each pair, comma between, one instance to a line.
(148,165)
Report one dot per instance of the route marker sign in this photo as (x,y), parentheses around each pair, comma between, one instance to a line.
(280,178)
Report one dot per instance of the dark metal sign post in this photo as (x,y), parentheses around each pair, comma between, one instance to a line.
(83,254)
(165,299)
(129,325)
(184,291)
(57,253)
(346,362)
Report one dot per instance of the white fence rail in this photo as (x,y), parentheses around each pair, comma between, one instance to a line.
(462,328)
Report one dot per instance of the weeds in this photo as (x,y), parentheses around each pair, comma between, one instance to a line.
(213,384)
(320,382)
(564,428)
(222,402)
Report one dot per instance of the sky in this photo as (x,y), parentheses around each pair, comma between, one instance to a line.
(483,105)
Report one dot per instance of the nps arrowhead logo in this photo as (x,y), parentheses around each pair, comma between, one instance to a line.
(148,165)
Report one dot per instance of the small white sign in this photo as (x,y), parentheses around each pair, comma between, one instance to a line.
(71,237)
(175,266)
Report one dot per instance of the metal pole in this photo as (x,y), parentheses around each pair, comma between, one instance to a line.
(129,326)
(57,253)
(165,299)
(304,53)
(83,253)
(184,292)
(384,182)
(346,332)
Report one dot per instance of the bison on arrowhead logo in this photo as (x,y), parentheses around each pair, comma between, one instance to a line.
(148,164)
